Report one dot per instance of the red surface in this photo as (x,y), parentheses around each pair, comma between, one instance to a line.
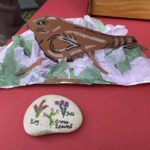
(115,117)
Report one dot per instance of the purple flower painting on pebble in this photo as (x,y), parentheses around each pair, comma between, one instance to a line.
(63,105)
(40,108)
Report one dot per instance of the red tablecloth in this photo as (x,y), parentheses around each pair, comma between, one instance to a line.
(115,117)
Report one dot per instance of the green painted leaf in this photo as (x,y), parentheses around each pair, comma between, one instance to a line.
(90,75)
(133,54)
(26,44)
(71,72)
(130,56)
(58,70)
(101,27)
(9,67)
(123,66)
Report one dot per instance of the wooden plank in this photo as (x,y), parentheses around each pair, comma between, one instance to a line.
(138,9)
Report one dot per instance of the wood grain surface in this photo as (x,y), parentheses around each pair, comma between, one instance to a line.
(138,9)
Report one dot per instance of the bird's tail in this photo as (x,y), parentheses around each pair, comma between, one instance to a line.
(128,42)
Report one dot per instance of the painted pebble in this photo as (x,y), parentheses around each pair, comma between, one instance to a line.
(52,114)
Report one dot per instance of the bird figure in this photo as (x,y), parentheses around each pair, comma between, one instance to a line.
(60,39)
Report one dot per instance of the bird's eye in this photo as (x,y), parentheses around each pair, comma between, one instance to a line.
(41,23)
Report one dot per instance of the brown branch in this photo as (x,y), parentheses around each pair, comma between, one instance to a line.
(24,70)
